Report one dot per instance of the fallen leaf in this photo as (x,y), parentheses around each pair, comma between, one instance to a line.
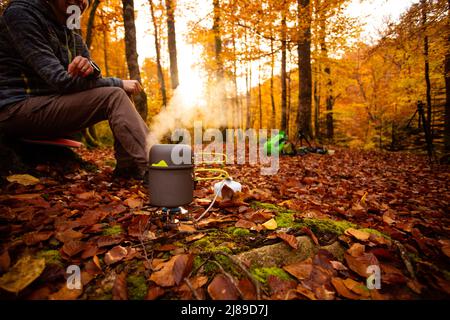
(445,247)
(186,228)
(195,237)
(86,195)
(5,261)
(134,203)
(173,271)
(288,238)
(306,292)
(154,292)
(66,294)
(356,250)
(270,224)
(23,179)
(96,261)
(299,270)
(342,290)
(247,288)
(359,264)
(120,290)
(73,247)
(245,224)
(358,234)
(338,266)
(311,235)
(33,238)
(116,254)
(22,274)
(222,288)
(357,287)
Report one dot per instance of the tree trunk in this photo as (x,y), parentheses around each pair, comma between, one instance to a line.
(132,55)
(272,97)
(236,111)
(105,52)
(218,40)
(283,75)
(260,97)
(172,42)
(427,64)
(329,83)
(162,83)
(317,103)
(447,85)
(90,134)
(305,73)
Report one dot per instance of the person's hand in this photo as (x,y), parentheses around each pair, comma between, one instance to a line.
(132,86)
(80,67)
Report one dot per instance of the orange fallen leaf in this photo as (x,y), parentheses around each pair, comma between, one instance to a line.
(116,254)
(221,288)
(289,239)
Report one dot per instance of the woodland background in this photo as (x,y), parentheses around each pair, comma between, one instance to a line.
(350,93)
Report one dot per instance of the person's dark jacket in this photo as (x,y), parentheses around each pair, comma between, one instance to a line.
(35,52)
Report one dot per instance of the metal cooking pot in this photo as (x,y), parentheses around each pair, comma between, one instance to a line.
(171,175)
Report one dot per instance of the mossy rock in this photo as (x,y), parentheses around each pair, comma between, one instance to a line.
(279,254)
(262,274)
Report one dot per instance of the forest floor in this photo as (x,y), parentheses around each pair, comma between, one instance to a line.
(309,232)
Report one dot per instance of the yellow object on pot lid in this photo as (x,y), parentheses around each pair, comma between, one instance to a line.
(162,164)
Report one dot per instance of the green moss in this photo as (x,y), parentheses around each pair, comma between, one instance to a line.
(112,231)
(269,206)
(322,226)
(137,287)
(261,274)
(238,232)
(54,243)
(286,220)
(51,257)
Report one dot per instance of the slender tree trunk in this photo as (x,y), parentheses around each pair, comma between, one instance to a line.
(273,118)
(447,84)
(305,73)
(90,134)
(260,97)
(317,102)
(172,41)
(162,83)
(283,75)
(218,40)
(288,108)
(90,24)
(132,55)
(329,100)
(249,95)
(105,51)
(236,111)
(427,63)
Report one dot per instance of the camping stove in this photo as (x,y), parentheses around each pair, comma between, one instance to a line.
(173,216)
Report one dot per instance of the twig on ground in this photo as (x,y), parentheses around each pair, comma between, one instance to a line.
(194,292)
(406,261)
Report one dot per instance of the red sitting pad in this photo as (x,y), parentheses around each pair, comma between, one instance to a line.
(55,142)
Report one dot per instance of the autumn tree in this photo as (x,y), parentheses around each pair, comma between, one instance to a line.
(172,43)
(161,79)
(132,55)
(304,66)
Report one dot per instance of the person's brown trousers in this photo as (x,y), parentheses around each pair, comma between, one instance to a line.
(57,115)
